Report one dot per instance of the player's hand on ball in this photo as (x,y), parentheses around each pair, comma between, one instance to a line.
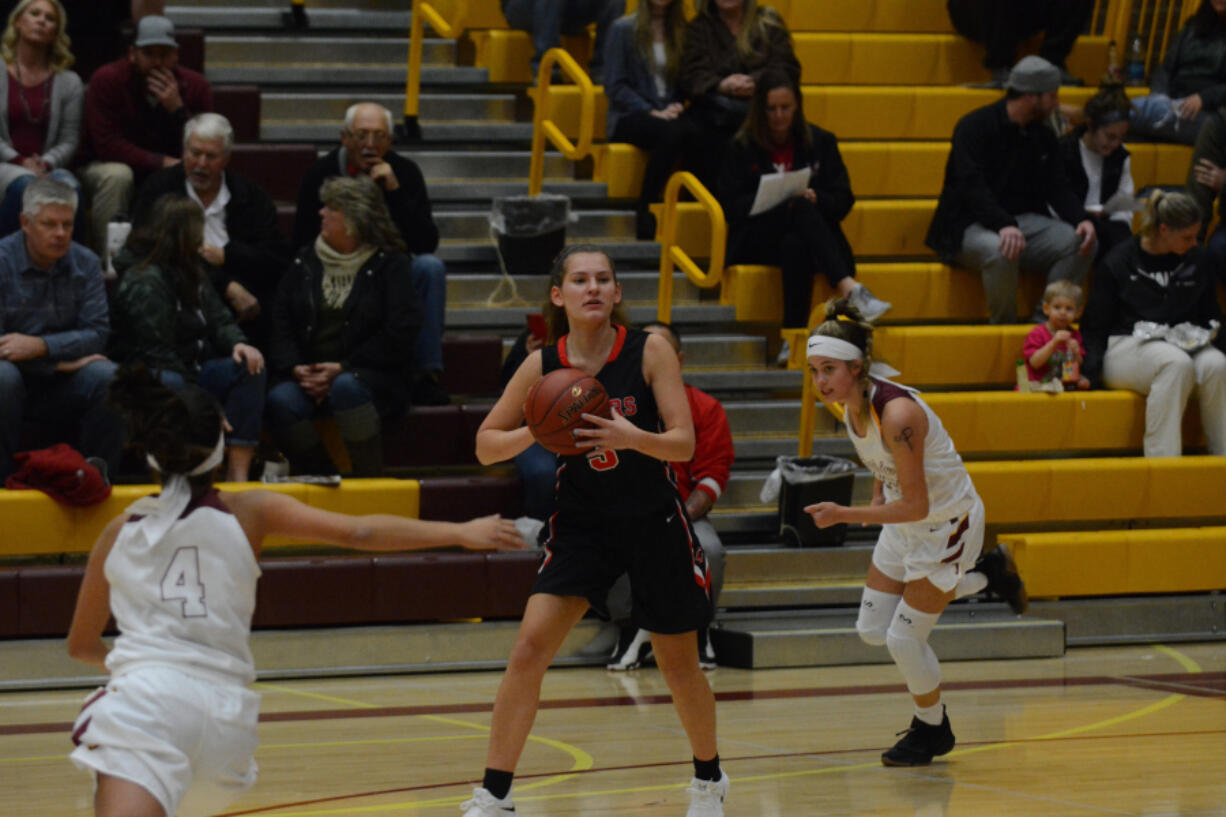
(825,514)
(491,533)
(608,434)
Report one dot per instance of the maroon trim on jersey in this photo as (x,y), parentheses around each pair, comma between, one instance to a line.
(885,392)
(617,346)
(80,730)
(955,538)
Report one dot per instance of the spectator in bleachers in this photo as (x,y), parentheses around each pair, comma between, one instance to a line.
(135,109)
(1151,298)
(1004,172)
(1207,170)
(1098,165)
(700,481)
(1001,26)
(1054,350)
(364,151)
(168,316)
(548,20)
(343,326)
(41,102)
(1191,83)
(802,235)
(53,330)
(244,250)
(642,61)
(728,46)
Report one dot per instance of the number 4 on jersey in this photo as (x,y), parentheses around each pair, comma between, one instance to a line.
(182,583)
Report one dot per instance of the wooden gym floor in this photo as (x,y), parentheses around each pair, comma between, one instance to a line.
(1137,730)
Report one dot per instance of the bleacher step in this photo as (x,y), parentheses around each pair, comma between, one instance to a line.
(280,110)
(513,318)
(268,18)
(308,51)
(459,225)
(309,74)
(823,638)
(472,289)
(483,252)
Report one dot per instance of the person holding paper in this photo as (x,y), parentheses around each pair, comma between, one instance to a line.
(1099,168)
(800,234)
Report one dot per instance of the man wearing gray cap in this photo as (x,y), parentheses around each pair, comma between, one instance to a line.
(1003,174)
(135,109)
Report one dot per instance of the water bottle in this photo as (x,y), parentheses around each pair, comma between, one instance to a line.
(1023,377)
(1136,61)
(1114,73)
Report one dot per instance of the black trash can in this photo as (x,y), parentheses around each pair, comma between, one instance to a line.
(806,481)
(530,230)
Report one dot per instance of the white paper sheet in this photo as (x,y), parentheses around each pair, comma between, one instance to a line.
(776,188)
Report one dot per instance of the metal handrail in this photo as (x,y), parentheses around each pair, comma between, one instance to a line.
(671,254)
(424,12)
(544,128)
(1119,23)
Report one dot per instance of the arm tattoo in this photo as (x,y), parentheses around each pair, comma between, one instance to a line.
(905,437)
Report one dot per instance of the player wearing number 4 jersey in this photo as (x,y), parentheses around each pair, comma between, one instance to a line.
(931,520)
(618,511)
(173,732)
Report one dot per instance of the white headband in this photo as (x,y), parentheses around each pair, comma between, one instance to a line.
(839,349)
(159,512)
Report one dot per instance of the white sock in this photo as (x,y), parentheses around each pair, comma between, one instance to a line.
(970,584)
(931,715)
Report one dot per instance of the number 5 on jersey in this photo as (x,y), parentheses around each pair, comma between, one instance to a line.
(603,461)
(182,583)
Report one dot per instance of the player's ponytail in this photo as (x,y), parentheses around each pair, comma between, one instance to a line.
(844,321)
(178,428)
(1177,210)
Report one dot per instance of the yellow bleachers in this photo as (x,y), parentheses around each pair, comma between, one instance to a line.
(952,355)
(35,524)
(865,15)
(1099,563)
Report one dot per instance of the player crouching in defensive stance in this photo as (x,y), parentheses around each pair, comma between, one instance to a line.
(174,730)
(931,519)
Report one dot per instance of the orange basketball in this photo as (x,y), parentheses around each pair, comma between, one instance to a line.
(556,405)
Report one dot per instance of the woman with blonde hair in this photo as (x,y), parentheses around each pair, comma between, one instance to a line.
(41,105)
(1147,325)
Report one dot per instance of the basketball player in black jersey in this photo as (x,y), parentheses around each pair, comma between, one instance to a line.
(618,511)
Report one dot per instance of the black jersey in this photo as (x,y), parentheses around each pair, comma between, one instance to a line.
(623,482)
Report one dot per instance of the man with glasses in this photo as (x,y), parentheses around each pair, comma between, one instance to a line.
(364,150)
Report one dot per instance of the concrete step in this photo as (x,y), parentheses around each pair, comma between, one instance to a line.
(486,165)
(823,638)
(744,488)
(623,253)
(308,51)
(480,191)
(389,74)
(472,289)
(328,109)
(268,18)
(513,318)
(763,578)
(435,131)
(608,225)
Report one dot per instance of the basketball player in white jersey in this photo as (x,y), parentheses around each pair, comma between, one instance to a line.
(931,519)
(174,731)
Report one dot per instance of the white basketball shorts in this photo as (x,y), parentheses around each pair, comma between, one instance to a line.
(940,551)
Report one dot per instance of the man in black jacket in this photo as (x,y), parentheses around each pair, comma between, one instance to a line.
(243,245)
(364,150)
(1003,173)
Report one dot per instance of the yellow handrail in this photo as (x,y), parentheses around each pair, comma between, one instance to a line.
(424,12)
(545,128)
(1119,23)
(671,254)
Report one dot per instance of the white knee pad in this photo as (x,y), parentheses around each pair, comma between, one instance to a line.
(876,610)
(907,641)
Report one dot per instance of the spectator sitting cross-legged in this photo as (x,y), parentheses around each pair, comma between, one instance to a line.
(168,316)
(645,108)
(1159,277)
(364,151)
(801,235)
(53,329)
(1001,26)
(135,110)
(343,325)
(548,20)
(1003,173)
(41,104)
(1191,83)
(243,250)
(728,46)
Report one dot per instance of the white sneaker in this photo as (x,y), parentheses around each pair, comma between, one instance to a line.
(870,306)
(484,804)
(706,653)
(785,353)
(631,654)
(707,796)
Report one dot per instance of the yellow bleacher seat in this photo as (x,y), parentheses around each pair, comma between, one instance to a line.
(1095,563)
(865,15)
(952,355)
(35,524)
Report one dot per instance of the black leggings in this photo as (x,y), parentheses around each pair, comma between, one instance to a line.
(666,139)
(797,238)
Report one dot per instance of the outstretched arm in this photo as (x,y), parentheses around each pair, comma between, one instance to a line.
(93,608)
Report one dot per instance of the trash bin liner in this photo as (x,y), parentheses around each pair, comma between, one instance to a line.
(530,231)
(806,481)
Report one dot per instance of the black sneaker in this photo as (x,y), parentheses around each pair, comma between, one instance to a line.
(920,743)
(706,653)
(1003,581)
(632,651)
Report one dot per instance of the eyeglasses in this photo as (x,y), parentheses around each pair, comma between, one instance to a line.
(375,136)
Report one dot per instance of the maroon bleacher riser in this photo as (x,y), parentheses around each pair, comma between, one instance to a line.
(241,105)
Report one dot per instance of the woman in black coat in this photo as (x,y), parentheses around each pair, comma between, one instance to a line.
(344,323)
(803,235)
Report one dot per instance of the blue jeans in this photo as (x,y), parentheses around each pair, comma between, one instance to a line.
(538,470)
(69,400)
(430,283)
(289,404)
(10,205)
(240,393)
(1154,117)
(548,20)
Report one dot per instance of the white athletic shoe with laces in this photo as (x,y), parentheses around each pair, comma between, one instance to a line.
(484,804)
(870,306)
(707,796)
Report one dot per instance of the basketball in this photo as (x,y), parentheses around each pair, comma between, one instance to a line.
(555,406)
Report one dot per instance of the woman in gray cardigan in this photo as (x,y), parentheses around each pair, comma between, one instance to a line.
(41,104)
